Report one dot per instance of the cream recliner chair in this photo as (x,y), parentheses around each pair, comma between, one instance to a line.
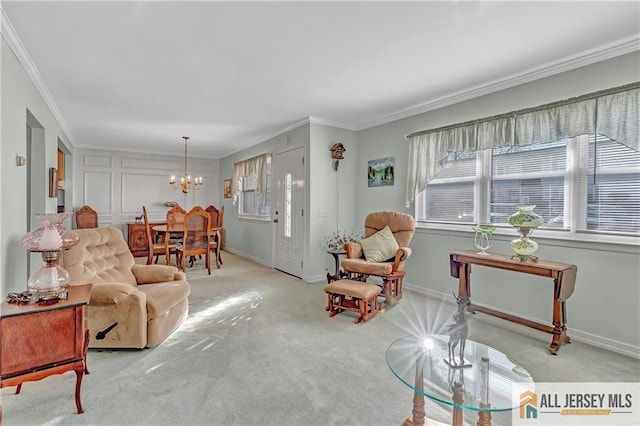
(131,305)
(359,265)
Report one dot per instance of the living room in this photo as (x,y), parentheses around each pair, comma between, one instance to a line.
(603,312)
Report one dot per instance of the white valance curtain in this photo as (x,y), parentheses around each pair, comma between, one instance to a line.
(255,166)
(613,113)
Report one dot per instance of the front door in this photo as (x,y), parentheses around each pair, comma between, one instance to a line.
(289,224)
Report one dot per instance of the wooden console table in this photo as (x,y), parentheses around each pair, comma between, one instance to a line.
(563,275)
(42,339)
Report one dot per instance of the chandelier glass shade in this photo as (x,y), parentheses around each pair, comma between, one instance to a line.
(185,181)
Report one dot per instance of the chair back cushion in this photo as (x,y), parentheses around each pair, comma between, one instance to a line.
(402,225)
(380,247)
(101,256)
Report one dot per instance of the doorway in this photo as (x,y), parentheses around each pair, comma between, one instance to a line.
(289,213)
(37,183)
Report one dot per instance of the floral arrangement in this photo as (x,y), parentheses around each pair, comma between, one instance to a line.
(337,239)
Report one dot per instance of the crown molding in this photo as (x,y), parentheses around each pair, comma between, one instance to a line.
(330,123)
(10,35)
(622,47)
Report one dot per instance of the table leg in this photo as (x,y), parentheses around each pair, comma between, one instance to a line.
(417,413)
(79,373)
(336,275)
(464,282)
(458,398)
(484,418)
(559,322)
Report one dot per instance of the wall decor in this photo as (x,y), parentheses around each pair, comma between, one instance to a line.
(227,188)
(380,172)
(53,182)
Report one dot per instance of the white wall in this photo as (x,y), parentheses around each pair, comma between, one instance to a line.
(19,95)
(117,184)
(333,191)
(605,308)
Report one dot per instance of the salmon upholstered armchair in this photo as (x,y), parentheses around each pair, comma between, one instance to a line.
(383,252)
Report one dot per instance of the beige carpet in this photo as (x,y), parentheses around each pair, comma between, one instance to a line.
(259,348)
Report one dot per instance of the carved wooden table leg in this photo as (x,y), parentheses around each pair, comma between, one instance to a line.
(559,322)
(484,418)
(458,398)
(417,416)
(79,373)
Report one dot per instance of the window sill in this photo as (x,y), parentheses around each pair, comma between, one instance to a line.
(559,238)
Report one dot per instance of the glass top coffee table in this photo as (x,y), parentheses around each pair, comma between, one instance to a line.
(422,363)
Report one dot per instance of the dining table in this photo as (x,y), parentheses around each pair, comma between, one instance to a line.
(165,232)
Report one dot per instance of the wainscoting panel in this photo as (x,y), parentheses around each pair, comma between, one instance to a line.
(96,161)
(97,191)
(136,163)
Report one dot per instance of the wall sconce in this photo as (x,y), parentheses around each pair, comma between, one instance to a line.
(337,151)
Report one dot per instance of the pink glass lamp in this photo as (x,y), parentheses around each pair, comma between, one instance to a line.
(50,239)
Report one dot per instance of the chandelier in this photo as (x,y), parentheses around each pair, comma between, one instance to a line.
(185,180)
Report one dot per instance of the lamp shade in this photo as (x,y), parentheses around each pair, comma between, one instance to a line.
(51,235)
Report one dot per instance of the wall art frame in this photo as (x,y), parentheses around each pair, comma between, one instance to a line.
(381,171)
(227,188)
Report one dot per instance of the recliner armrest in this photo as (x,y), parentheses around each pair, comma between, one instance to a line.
(403,253)
(354,250)
(111,293)
(151,274)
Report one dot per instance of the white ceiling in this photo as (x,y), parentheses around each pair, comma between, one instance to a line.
(139,75)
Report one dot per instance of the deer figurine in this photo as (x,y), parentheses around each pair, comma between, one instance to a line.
(458,331)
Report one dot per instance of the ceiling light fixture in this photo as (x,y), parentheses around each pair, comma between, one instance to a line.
(185,180)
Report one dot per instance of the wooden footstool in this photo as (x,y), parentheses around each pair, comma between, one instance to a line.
(353,296)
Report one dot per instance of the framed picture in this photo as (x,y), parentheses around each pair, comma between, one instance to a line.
(227,188)
(380,172)
(53,182)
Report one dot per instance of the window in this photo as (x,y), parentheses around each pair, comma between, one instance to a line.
(581,184)
(287,203)
(253,183)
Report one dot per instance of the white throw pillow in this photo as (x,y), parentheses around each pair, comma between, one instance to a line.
(380,246)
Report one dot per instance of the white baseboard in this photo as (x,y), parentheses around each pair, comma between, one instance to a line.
(311,279)
(246,256)
(577,335)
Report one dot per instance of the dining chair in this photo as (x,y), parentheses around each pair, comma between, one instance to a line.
(86,217)
(195,238)
(175,225)
(215,242)
(157,248)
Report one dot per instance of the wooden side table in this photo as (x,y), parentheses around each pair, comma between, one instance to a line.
(562,274)
(338,275)
(42,339)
